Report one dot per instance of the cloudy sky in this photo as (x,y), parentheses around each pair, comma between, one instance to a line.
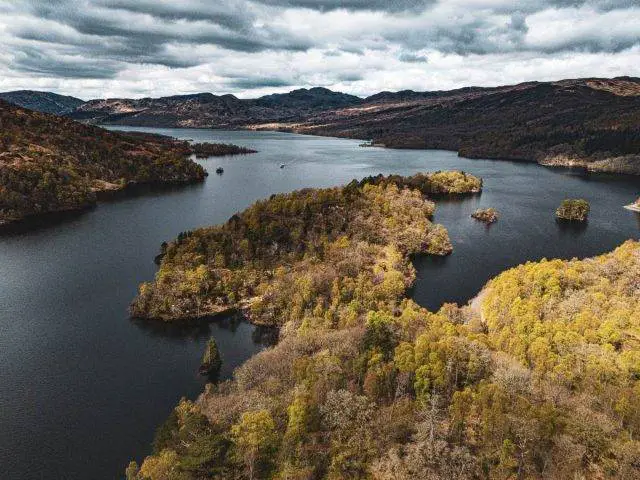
(108,48)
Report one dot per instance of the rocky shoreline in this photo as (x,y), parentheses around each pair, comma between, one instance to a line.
(634,207)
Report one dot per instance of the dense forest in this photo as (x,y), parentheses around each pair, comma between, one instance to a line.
(50,164)
(323,250)
(450,182)
(539,377)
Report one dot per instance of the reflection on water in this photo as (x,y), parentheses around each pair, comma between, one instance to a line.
(147,190)
(204,328)
(41,222)
(572,229)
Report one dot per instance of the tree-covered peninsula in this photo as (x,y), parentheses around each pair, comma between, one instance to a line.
(315,255)
(450,182)
(51,164)
(206,149)
(538,378)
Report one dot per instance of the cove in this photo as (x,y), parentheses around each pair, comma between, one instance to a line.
(83,388)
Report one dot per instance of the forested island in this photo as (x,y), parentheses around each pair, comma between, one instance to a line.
(450,182)
(331,252)
(539,378)
(206,149)
(574,210)
(52,164)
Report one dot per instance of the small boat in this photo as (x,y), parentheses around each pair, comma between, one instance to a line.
(219,170)
(282,165)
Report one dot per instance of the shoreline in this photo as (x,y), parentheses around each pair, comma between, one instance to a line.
(51,217)
(475,304)
(633,207)
(552,163)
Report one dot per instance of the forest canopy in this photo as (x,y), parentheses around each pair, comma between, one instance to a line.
(540,378)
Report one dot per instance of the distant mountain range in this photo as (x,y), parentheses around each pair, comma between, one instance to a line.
(208,110)
(591,122)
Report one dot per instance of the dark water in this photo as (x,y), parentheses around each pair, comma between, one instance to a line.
(82,388)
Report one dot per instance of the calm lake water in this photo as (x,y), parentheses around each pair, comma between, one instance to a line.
(82,388)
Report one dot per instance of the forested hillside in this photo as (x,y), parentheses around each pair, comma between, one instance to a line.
(590,123)
(538,379)
(50,164)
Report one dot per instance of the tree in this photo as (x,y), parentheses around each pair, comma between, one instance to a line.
(255,438)
(211,361)
(132,470)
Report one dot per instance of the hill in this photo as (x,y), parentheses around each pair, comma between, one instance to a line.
(204,110)
(591,123)
(46,102)
(50,163)
(311,99)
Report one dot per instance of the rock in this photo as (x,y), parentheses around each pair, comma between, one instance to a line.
(487,215)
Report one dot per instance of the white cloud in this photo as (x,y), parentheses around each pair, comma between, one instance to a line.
(99,48)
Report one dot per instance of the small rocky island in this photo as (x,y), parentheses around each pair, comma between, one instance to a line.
(635,206)
(575,210)
(211,361)
(486,215)
(206,149)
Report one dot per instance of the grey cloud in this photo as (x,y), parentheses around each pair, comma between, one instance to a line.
(409,57)
(251,83)
(33,60)
(350,77)
(482,35)
(99,38)
(233,32)
(368,5)
(593,45)
(229,14)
